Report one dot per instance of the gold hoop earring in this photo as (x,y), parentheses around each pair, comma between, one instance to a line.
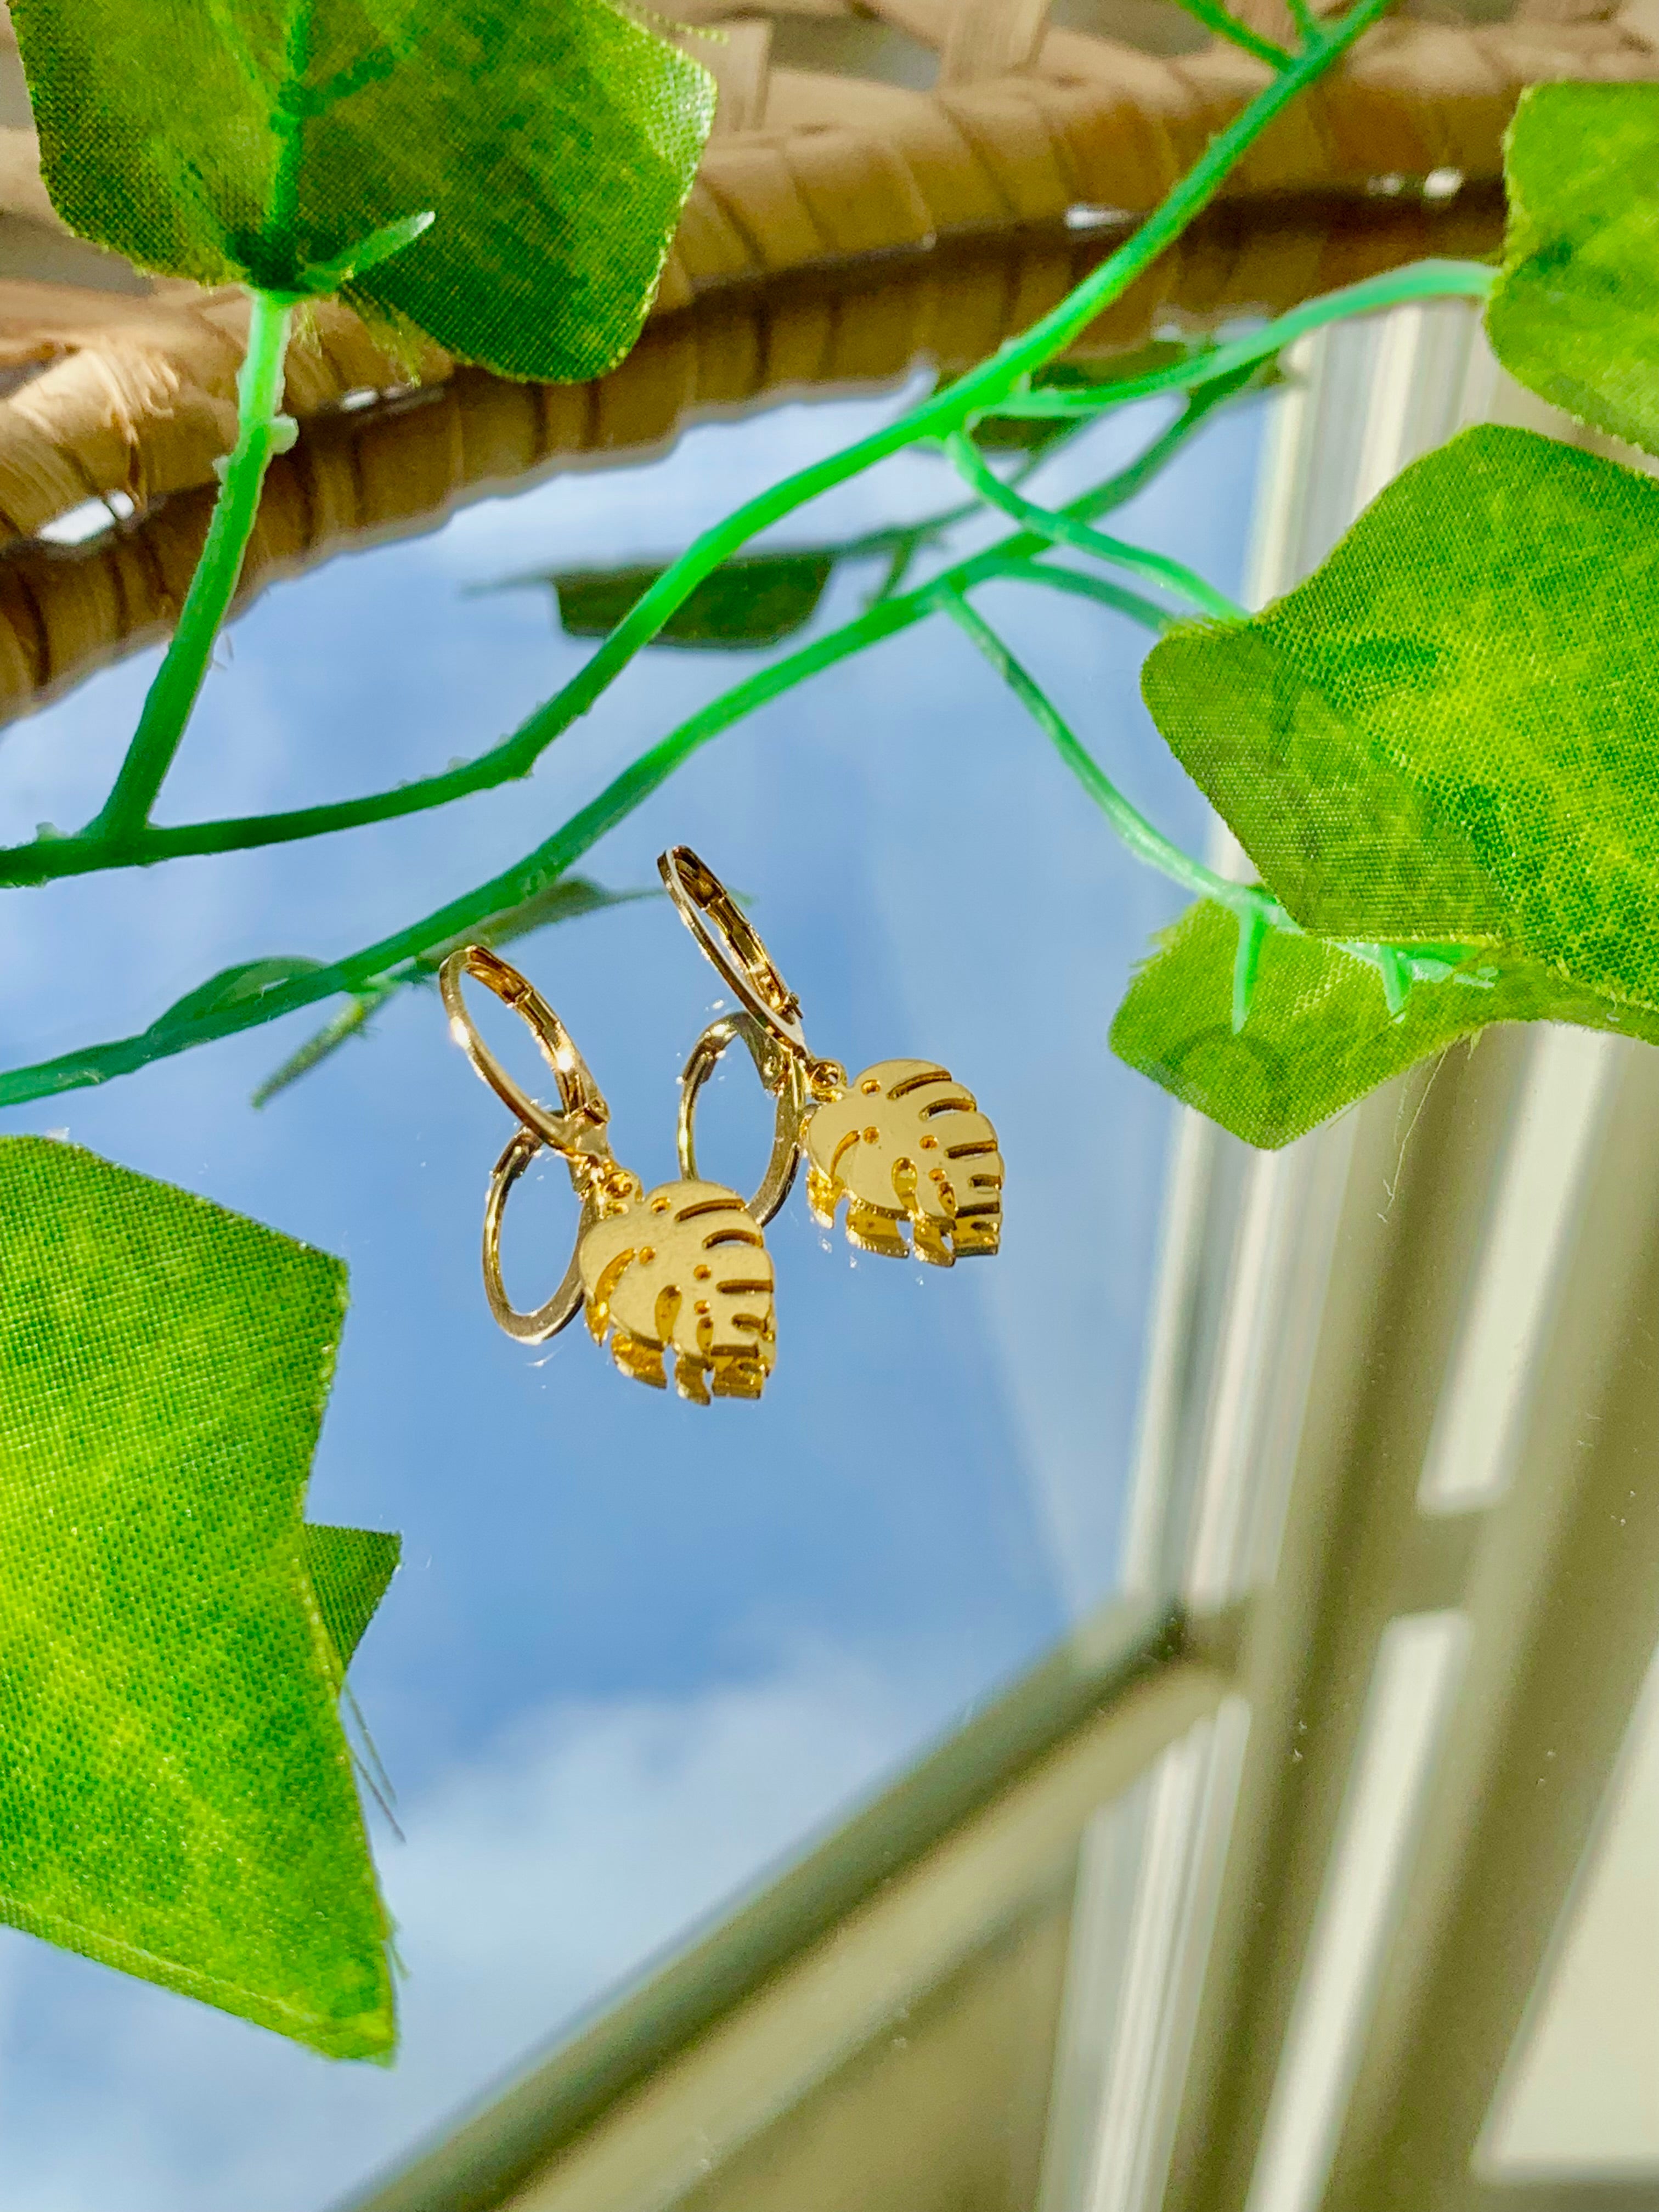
(683,1268)
(904,1143)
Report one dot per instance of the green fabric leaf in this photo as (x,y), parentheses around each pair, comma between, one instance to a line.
(176,1792)
(349,1569)
(741,606)
(553,141)
(1320,1035)
(1574,315)
(1450,732)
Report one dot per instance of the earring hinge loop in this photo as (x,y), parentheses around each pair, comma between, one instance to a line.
(580,1135)
(577,1132)
(546,1320)
(730,941)
(783,1074)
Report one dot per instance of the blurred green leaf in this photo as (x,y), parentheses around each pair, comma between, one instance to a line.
(233,986)
(1023,434)
(1574,315)
(176,1798)
(1320,1035)
(1450,732)
(269,140)
(1034,434)
(743,605)
(1098,375)
(568,898)
(323,1044)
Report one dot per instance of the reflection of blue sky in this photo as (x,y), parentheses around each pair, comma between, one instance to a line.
(637,1650)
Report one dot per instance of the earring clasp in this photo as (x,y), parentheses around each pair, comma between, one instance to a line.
(734,945)
(580,1134)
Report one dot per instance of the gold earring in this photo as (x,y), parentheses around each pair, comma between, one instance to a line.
(682,1269)
(904,1144)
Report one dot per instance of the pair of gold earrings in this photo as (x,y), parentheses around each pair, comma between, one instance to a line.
(684,1268)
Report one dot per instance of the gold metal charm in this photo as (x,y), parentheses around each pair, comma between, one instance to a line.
(907,1142)
(904,1143)
(683,1269)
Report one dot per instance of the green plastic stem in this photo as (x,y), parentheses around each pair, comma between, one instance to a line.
(167,705)
(1066,530)
(1215,17)
(1137,833)
(1252,927)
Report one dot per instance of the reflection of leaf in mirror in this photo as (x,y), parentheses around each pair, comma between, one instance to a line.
(176,1798)
(1035,433)
(1023,434)
(743,605)
(554,140)
(565,899)
(1075,375)
(1320,1035)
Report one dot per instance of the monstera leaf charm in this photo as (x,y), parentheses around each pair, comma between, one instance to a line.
(683,1269)
(906,1142)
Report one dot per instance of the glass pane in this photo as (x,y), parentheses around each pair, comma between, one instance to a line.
(637,1650)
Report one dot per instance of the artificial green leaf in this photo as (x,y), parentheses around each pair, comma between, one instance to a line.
(176,1798)
(1575,313)
(349,1570)
(1320,1035)
(554,142)
(1450,732)
(741,606)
